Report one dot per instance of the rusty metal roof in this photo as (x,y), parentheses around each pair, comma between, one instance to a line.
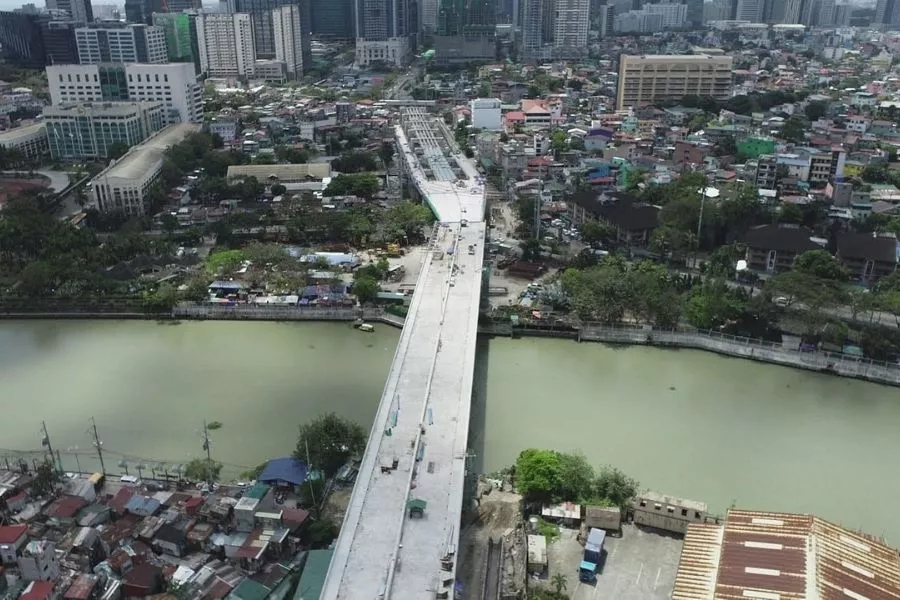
(696,577)
(781,556)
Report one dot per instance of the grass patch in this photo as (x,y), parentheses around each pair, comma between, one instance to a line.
(548,530)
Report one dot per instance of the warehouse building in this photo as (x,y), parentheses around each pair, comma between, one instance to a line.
(780,556)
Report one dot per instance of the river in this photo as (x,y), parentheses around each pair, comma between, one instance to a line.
(682,422)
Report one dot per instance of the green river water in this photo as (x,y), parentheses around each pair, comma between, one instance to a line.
(682,422)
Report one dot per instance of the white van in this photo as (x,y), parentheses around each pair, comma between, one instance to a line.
(130,479)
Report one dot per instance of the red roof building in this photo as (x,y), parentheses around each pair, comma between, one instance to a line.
(13,534)
(12,539)
(65,507)
(38,590)
(82,588)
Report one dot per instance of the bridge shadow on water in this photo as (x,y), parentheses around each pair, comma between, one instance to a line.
(478,415)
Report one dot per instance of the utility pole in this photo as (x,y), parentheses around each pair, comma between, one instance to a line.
(45,441)
(206,446)
(312,495)
(97,444)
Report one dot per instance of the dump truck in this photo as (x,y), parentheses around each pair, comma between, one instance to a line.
(590,562)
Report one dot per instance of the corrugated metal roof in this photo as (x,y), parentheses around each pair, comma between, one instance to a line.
(699,563)
(781,556)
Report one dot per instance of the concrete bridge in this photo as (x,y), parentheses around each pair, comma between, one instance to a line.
(399,536)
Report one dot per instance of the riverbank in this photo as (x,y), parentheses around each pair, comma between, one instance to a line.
(710,341)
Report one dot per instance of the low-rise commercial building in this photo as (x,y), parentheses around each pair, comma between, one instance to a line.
(30,140)
(773,248)
(667,512)
(123,187)
(88,131)
(281,173)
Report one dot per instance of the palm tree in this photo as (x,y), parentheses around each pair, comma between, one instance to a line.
(559,583)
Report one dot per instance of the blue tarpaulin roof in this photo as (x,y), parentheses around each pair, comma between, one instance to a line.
(286,469)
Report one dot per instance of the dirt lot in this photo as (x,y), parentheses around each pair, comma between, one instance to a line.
(337,503)
(12,187)
(498,513)
(640,565)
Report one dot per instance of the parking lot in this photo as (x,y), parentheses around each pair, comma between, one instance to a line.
(640,565)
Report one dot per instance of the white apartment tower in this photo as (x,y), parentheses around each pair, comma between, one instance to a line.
(128,44)
(226,44)
(749,10)
(570,26)
(292,43)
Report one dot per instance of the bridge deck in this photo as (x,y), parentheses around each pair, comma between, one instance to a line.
(422,423)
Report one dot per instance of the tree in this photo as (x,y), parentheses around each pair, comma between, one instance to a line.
(597,233)
(815,110)
(538,474)
(794,130)
(616,487)
(329,441)
(169,223)
(163,299)
(278,189)
(364,185)
(354,162)
(821,264)
(321,533)
(576,477)
(45,477)
(366,289)
(559,583)
(790,213)
(201,469)
(117,149)
(386,153)
(406,220)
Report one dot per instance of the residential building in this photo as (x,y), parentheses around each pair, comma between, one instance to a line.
(21,42)
(263,31)
(532,30)
(12,539)
(39,561)
(570,27)
(121,44)
(759,554)
(88,131)
(292,43)
(773,248)
(634,223)
(30,140)
(674,16)
(749,10)
(887,13)
(667,512)
(226,44)
(174,84)
(59,41)
(868,256)
(486,113)
(79,11)
(638,21)
(651,78)
(180,31)
(383,29)
(333,18)
(123,187)
(141,11)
